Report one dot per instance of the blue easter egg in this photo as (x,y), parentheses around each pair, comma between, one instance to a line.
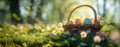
(87,21)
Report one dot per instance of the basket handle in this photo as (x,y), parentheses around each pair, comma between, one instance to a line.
(95,14)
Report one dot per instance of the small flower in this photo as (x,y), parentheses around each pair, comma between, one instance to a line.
(97,46)
(88,31)
(64,36)
(83,44)
(73,38)
(7,34)
(83,34)
(101,34)
(97,39)
(48,27)
(51,35)
(47,45)
(60,24)
(61,29)
(16,33)
(67,33)
(0,29)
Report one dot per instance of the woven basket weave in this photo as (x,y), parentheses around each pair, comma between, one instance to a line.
(78,27)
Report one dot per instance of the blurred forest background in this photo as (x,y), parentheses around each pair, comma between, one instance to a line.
(54,11)
(30,23)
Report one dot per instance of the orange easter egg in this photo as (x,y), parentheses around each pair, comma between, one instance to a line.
(92,20)
(77,21)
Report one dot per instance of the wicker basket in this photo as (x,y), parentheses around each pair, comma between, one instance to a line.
(83,27)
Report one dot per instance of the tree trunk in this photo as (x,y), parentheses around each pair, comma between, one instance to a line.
(30,19)
(61,15)
(98,8)
(104,8)
(15,12)
(31,6)
(40,10)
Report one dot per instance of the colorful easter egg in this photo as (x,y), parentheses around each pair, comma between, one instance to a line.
(77,21)
(87,21)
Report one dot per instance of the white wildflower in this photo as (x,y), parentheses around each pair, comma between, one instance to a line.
(83,34)
(97,39)
(67,33)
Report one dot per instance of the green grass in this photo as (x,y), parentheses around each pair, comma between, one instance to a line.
(26,35)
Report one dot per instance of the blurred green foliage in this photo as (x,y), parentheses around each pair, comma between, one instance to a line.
(26,35)
(41,25)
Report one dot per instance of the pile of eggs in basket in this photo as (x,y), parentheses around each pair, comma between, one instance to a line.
(78,21)
(77,25)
